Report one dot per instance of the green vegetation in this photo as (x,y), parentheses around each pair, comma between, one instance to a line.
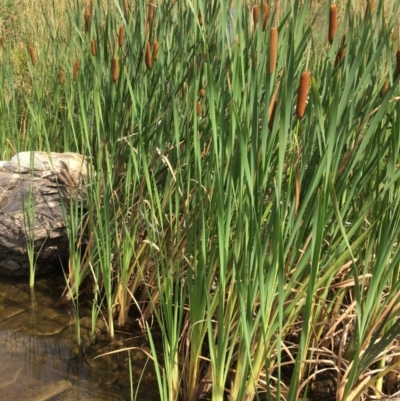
(264,245)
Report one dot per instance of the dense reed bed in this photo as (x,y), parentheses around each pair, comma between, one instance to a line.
(245,192)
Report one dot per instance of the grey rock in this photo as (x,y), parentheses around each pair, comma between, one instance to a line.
(33,188)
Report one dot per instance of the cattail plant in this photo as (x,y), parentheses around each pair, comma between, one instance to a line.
(202,92)
(198,108)
(87,19)
(265,15)
(256,13)
(121,36)
(148,57)
(302,94)
(272,115)
(397,63)
(200,18)
(341,53)
(114,69)
(385,87)
(75,70)
(93,47)
(273,48)
(32,54)
(61,77)
(333,16)
(125,7)
(369,9)
(156,46)
(150,14)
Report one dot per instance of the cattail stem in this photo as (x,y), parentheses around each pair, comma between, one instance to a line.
(147,57)
(302,94)
(114,69)
(333,21)
(121,36)
(273,48)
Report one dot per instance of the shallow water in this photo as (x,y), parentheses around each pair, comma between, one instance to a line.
(41,361)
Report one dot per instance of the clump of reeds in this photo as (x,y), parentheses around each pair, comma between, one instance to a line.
(121,36)
(114,69)
(61,77)
(302,94)
(265,15)
(75,70)
(342,52)
(200,18)
(87,19)
(93,47)
(156,47)
(256,13)
(333,22)
(273,48)
(148,56)
(32,55)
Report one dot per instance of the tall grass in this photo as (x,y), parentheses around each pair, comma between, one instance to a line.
(262,241)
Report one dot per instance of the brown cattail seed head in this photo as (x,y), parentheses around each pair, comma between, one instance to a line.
(93,47)
(156,46)
(147,57)
(114,69)
(302,95)
(272,116)
(397,63)
(273,48)
(200,18)
(341,53)
(256,13)
(75,70)
(125,7)
(3,42)
(121,36)
(198,107)
(61,77)
(265,15)
(32,54)
(384,87)
(150,15)
(333,16)
(202,92)
(87,19)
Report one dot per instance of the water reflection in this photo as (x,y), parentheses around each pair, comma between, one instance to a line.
(39,354)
